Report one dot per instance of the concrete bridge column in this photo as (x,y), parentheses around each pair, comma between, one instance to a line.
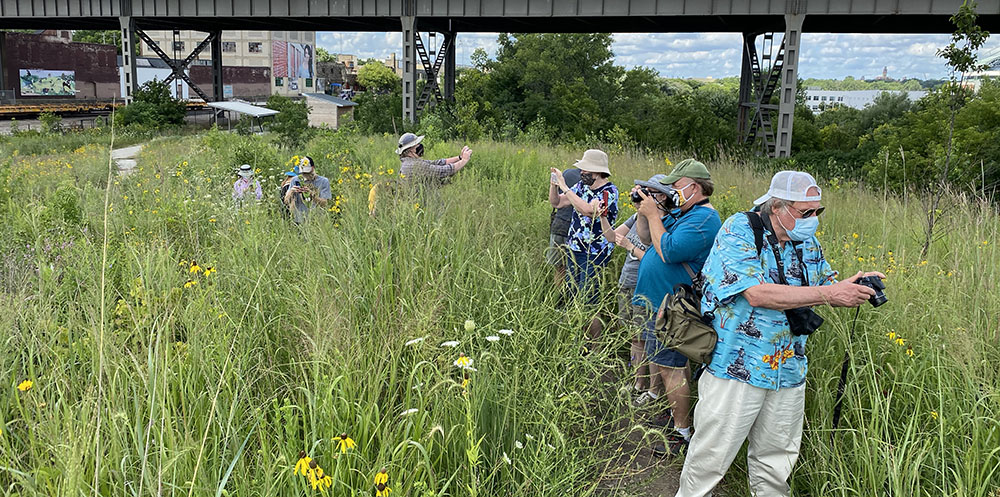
(789,84)
(409,68)
(128,57)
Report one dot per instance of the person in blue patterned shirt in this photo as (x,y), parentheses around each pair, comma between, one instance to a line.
(755,386)
(595,207)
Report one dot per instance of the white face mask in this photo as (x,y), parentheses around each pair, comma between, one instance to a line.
(245,174)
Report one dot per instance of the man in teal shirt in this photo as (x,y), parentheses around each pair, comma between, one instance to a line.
(682,225)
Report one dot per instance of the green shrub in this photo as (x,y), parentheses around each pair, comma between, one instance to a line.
(152,106)
(291,124)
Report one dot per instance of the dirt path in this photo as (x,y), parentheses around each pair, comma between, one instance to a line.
(125,158)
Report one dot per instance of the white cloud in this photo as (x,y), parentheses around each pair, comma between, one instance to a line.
(824,55)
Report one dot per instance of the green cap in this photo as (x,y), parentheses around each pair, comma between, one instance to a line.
(687,168)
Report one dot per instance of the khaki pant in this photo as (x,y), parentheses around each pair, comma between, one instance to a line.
(729,412)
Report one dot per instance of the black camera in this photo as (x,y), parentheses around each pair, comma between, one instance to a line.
(667,204)
(875,283)
(635,195)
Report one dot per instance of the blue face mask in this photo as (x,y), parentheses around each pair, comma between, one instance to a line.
(804,228)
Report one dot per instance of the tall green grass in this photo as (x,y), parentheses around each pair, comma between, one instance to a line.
(213,384)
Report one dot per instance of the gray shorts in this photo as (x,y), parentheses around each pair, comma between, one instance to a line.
(556,254)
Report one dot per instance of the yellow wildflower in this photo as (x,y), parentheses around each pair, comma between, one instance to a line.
(855,235)
(909,351)
(934,414)
(382,477)
(900,341)
(194,267)
(190,283)
(25,385)
(344,442)
(382,490)
(303,464)
(891,335)
(210,270)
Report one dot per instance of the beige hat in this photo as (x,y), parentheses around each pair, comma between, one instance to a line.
(408,140)
(594,161)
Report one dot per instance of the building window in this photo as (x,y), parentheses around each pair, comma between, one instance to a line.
(824,98)
(256,47)
(178,46)
(840,99)
(309,82)
(279,81)
(229,46)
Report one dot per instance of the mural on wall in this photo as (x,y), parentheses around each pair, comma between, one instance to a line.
(42,82)
(292,60)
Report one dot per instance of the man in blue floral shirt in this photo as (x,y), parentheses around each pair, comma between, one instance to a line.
(595,208)
(755,388)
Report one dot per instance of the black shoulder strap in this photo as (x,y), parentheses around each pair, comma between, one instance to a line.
(757,225)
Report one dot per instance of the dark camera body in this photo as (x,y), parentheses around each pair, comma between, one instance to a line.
(667,204)
(635,195)
(875,283)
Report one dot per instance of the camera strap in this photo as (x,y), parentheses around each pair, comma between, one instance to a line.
(759,223)
(842,384)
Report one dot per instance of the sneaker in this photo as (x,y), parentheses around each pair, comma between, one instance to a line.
(644,399)
(675,446)
(666,420)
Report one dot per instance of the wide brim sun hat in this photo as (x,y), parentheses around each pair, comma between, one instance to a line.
(593,161)
(408,140)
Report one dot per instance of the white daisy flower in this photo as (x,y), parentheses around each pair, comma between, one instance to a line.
(450,343)
(506,459)
(409,412)
(492,338)
(529,436)
(506,332)
(518,444)
(414,341)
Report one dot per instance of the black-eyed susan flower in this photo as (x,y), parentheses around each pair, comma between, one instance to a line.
(210,270)
(190,283)
(909,351)
(382,490)
(318,479)
(194,268)
(463,362)
(382,477)
(303,464)
(344,442)
(25,385)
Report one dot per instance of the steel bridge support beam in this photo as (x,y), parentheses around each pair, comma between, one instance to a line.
(789,84)
(179,66)
(218,92)
(409,68)
(451,38)
(747,80)
(128,57)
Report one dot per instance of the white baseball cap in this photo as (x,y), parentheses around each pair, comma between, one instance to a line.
(792,186)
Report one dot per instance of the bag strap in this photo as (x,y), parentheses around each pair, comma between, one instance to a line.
(691,273)
(758,229)
(759,223)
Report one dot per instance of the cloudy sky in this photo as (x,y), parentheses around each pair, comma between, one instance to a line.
(698,55)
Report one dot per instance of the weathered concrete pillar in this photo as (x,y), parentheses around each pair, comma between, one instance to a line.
(409,68)
(128,57)
(789,84)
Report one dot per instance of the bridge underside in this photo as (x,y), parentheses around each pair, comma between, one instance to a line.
(767,80)
(814,23)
